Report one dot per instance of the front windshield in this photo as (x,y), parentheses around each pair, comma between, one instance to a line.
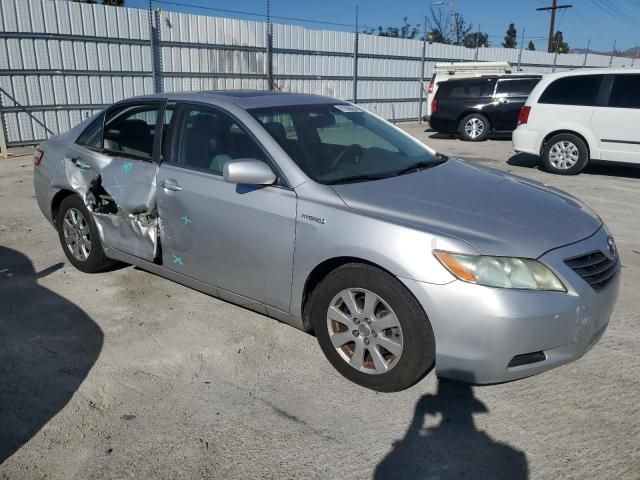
(342,143)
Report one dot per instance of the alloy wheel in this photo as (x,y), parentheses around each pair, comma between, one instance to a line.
(76,233)
(564,155)
(365,331)
(474,127)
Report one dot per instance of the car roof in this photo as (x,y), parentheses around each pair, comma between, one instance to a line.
(493,77)
(591,71)
(249,99)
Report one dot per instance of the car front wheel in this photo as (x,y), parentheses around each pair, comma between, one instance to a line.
(371,328)
(79,236)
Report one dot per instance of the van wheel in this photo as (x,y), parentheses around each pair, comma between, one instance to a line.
(565,154)
(79,236)
(474,127)
(371,328)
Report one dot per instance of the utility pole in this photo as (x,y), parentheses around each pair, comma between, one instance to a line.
(355,61)
(422,59)
(521,47)
(269,47)
(613,52)
(552,25)
(454,21)
(586,54)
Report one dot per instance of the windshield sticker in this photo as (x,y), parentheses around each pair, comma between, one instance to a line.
(348,108)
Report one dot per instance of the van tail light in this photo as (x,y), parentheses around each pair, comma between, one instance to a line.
(430,89)
(38,155)
(434,105)
(523,116)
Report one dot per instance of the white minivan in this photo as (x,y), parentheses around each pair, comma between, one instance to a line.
(573,117)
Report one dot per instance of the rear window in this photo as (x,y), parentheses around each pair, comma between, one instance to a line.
(482,87)
(520,87)
(575,90)
(625,92)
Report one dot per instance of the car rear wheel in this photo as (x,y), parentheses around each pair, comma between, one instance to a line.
(79,236)
(565,154)
(371,328)
(474,127)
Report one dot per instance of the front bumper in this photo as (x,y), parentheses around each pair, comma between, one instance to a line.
(479,330)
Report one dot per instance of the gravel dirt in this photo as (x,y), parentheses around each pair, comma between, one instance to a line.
(127,375)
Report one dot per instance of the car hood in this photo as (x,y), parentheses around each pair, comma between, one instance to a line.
(496,213)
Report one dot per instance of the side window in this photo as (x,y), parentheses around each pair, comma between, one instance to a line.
(516,88)
(343,131)
(279,125)
(467,88)
(574,90)
(208,138)
(625,92)
(92,135)
(129,131)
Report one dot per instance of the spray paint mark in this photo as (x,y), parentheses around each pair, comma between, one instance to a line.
(62,163)
(185,218)
(105,248)
(118,185)
(126,166)
(177,260)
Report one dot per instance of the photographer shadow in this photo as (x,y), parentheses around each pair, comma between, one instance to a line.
(47,347)
(454,448)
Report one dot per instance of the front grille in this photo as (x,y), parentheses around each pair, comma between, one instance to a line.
(595,268)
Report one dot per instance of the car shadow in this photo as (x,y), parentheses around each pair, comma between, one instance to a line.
(595,167)
(47,347)
(500,136)
(454,448)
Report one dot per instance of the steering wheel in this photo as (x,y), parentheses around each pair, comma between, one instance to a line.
(353,148)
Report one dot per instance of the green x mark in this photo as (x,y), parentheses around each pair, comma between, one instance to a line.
(177,260)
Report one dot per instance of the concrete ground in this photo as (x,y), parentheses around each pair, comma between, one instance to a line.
(127,375)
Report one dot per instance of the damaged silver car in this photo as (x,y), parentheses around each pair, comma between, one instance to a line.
(312,211)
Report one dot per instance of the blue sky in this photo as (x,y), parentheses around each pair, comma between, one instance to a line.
(602,21)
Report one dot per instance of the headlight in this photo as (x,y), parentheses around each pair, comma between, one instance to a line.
(503,272)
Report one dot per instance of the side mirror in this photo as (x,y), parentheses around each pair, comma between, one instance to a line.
(248,171)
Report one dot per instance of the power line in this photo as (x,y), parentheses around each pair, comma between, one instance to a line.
(258,15)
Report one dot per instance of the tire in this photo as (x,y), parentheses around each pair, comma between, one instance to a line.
(91,259)
(565,154)
(392,302)
(474,128)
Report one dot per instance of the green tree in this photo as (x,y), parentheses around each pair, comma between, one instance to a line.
(531,46)
(510,39)
(406,30)
(558,43)
(471,40)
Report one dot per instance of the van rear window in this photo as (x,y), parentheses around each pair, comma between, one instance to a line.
(467,89)
(574,90)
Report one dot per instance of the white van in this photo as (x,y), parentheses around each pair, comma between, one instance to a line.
(446,70)
(581,115)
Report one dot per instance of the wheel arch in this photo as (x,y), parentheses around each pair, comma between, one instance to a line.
(474,112)
(582,137)
(320,272)
(56,201)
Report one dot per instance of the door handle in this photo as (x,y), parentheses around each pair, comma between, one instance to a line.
(81,165)
(167,185)
(503,100)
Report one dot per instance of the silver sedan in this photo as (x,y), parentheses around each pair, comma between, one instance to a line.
(326,217)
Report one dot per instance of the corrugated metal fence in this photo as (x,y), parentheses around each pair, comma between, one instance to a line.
(61,61)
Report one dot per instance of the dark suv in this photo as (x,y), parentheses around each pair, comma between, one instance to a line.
(475,107)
